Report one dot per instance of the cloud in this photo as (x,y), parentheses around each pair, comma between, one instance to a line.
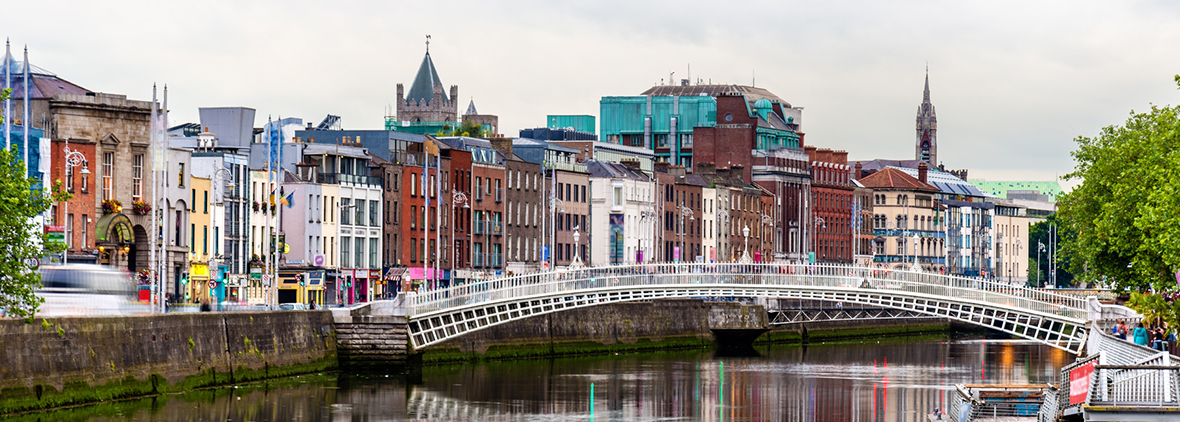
(1013,82)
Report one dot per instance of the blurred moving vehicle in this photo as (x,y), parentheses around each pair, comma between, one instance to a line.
(292,307)
(87,289)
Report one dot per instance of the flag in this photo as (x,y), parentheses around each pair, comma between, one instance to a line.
(289,200)
(272,195)
(275,140)
(431,148)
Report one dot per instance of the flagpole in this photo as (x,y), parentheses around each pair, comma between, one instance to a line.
(438,215)
(269,193)
(160,286)
(426,215)
(154,273)
(7,101)
(278,206)
(24,121)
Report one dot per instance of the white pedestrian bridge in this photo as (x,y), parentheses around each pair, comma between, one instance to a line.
(1041,315)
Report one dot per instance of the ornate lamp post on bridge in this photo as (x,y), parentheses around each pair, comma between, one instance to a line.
(684,212)
(457,197)
(768,224)
(816,224)
(74,158)
(746,253)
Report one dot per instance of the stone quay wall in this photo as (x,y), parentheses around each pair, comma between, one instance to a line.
(371,341)
(53,362)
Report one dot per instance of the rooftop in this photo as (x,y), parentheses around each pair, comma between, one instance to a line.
(752,93)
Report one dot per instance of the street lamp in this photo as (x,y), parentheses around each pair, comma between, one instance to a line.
(644,232)
(1040,248)
(74,158)
(817,223)
(767,221)
(746,253)
(456,198)
(577,262)
(684,212)
(220,176)
(916,252)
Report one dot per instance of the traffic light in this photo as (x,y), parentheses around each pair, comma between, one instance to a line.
(302,280)
(184,278)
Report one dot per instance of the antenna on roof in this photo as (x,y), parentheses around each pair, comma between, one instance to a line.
(427,43)
(690,72)
(752,79)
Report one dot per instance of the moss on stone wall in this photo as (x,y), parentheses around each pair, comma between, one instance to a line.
(113,358)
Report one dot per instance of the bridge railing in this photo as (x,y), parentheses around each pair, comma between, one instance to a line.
(770,274)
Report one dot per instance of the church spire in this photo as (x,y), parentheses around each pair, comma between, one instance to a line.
(926,144)
(926,92)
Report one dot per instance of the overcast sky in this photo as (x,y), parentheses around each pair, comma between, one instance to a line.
(1013,82)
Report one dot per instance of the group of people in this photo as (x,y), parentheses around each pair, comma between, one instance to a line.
(1156,338)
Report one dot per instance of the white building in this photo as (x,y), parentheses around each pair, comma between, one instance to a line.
(622,215)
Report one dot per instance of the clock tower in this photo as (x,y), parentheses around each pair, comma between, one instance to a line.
(926,145)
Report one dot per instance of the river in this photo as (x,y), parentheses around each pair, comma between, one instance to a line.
(894,379)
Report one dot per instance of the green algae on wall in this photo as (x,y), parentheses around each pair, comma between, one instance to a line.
(110,358)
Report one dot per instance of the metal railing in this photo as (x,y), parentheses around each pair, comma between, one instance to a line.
(773,274)
(1135,385)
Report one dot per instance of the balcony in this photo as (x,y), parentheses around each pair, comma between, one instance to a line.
(488,227)
(338,178)
(487,260)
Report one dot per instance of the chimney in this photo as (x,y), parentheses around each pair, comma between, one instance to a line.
(502,145)
(662,166)
(922,172)
(859,173)
(677,171)
(706,169)
(632,165)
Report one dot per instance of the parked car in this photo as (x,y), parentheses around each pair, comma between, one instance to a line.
(292,307)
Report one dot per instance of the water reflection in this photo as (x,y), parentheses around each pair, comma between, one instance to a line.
(900,381)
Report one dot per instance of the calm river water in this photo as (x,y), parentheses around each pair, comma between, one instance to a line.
(894,380)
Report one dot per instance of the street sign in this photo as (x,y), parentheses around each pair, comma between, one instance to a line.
(33,262)
(266,279)
(212,284)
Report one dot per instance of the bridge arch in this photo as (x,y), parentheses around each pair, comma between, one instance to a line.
(1055,320)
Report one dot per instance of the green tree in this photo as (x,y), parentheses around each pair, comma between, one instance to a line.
(1039,234)
(468,128)
(21,199)
(1126,212)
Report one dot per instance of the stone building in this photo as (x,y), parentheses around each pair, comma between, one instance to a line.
(926,125)
(426,108)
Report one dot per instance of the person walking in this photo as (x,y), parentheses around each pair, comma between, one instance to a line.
(1140,334)
(1121,330)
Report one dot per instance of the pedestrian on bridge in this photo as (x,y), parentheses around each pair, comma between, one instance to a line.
(1140,334)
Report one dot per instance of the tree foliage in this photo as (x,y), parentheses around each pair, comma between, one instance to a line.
(21,199)
(468,128)
(1126,212)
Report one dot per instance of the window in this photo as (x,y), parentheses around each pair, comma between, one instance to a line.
(180,175)
(360,212)
(70,231)
(136,177)
(373,262)
(193,200)
(360,252)
(205,204)
(69,178)
(216,244)
(85,220)
(108,169)
(344,210)
(413,184)
(204,240)
(413,216)
(373,207)
(413,250)
(344,257)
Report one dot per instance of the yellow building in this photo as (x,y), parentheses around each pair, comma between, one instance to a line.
(201,271)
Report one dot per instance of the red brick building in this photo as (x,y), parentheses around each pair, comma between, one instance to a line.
(832,192)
